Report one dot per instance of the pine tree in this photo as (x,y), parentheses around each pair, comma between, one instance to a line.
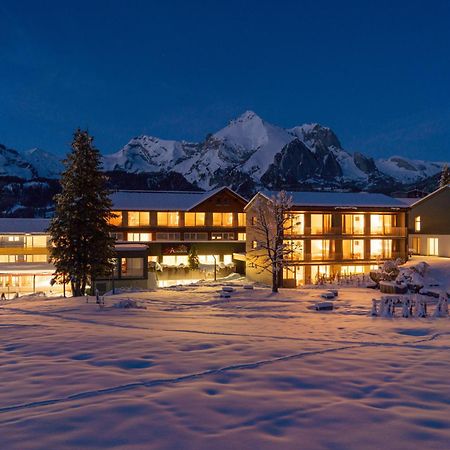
(193,260)
(445,176)
(80,246)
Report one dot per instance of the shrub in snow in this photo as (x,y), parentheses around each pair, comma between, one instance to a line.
(442,306)
(388,271)
(128,304)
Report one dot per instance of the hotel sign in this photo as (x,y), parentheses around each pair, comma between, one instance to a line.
(181,249)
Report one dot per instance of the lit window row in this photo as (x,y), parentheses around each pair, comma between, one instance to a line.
(172,219)
(351,223)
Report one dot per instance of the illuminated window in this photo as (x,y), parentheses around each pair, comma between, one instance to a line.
(228,259)
(36,241)
(139,237)
(353,224)
(417,223)
(433,246)
(319,272)
(168,219)
(194,219)
(320,223)
(254,244)
(352,270)
(416,245)
(13,238)
(241,236)
(36,258)
(175,260)
(380,248)
(138,218)
(241,219)
(320,248)
(381,223)
(223,219)
(353,249)
(296,248)
(295,224)
(117,219)
(254,220)
(208,259)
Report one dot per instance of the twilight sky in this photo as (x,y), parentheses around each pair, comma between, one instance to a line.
(377,73)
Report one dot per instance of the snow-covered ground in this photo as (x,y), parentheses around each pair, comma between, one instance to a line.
(195,371)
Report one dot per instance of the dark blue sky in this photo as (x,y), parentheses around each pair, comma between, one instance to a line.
(378,73)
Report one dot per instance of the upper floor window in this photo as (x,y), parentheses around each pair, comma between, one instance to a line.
(242,236)
(139,237)
(417,223)
(138,218)
(380,248)
(194,219)
(320,223)
(381,223)
(195,236)
(168,219)
(254,220)
(320,249)
(36,240)
(241,219)
(223,219)
(222,236)
(353,223)
(295,224)
(116,220)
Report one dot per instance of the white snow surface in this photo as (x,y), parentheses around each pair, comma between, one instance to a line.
(194,371)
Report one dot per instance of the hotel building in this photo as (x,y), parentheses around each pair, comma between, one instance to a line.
(331,234)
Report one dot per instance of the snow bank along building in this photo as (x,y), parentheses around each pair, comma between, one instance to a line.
(331,234)
(429,224)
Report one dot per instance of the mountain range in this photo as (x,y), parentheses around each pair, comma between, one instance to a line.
(248,154)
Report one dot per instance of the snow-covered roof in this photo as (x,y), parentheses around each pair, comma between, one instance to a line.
(437,191)
(20,225)
(341,199)
(407,201)
(161,200)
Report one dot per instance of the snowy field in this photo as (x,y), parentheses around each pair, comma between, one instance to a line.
(195,371)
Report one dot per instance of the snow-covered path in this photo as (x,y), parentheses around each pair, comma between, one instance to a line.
(193,371)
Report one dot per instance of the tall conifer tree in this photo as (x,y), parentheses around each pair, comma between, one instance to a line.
(81,247)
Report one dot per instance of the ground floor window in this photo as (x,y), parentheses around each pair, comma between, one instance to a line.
(175,260)
(295,273)
(208,259)
(352,270)
(433,246)
(319,273)
(132,267)
(416,245)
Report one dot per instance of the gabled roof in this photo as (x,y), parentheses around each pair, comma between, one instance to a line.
(20,225)
(436,192)
(162,200)
(338,199)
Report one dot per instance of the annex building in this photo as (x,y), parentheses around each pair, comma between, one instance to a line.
(429,224)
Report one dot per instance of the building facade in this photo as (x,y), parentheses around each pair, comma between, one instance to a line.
(171,225)
(429,224)
(331,234)
(24,267)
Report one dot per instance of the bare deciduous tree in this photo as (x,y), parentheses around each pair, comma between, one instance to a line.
(272,220)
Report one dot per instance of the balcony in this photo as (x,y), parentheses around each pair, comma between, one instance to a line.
(390,231)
